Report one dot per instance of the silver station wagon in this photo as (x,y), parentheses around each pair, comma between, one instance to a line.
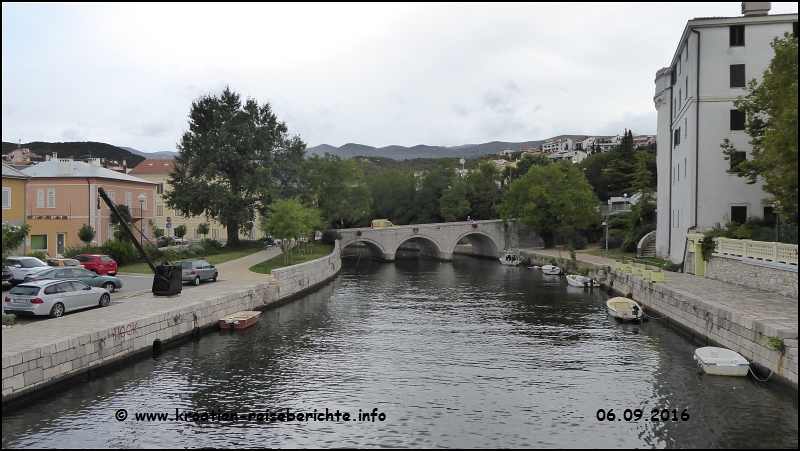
(53,297)
(196,270)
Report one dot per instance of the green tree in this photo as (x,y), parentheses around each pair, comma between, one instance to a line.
(203,229)
(158,232)
(180,231)
(289,169)
(551,200)
(453,204)
(224,162)
(13,237)
(642,179)
(393,195)
(771,111)
(125,212)
(432,185)
(289,218)
(86,234)
(483,191)
(523,165)
(338,189)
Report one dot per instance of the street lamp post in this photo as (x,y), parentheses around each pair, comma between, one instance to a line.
(142,198)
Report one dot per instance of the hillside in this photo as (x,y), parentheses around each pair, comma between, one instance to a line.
(79,150)
(350,150)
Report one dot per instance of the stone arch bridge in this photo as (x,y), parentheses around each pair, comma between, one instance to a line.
(488,238)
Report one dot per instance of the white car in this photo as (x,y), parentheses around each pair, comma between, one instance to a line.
(22,266)
(53,297)
(181,241)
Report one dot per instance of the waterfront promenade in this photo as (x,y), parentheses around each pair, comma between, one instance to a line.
(46,349)
(738,312)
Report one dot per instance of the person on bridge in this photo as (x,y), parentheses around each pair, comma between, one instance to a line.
(469,219)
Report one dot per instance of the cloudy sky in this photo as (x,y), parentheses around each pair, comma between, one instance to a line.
(380,74)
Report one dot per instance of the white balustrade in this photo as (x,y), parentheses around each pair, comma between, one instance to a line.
(758,250)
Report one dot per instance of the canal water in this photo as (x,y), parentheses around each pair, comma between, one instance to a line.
(465,354)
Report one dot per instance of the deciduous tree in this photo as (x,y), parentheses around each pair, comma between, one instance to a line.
(551,200)
(224,162)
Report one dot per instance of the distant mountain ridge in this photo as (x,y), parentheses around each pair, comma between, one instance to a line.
(350,150)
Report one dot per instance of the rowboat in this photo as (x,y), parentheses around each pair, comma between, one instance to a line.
(551,270)
(721,361)
(240,320)
(580,281)
(624,309)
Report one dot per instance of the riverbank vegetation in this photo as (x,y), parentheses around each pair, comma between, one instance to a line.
(319,250)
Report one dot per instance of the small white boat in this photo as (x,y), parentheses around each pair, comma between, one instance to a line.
(552,270)
(580,281)
(510,258)
(624,309)
(721,361)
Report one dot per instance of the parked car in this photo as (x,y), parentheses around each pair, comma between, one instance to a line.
(108,283)
(165,241)
(196,270)
(181,241)
(21,266)
(98,263)
(7,275)
(63,262)
(53,297)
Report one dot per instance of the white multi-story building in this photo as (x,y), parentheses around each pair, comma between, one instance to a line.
(694,97)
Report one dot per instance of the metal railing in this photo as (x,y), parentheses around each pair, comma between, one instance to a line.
(758,250)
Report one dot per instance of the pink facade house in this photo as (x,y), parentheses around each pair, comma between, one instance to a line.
(62,196)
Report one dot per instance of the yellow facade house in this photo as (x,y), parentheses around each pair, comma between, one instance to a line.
(157,171)
(14,186)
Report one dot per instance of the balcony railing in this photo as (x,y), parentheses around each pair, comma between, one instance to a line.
(758,250)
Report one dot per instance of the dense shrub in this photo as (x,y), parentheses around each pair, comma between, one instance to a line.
(121,251)
(41,255)
(330,236)
(210,244)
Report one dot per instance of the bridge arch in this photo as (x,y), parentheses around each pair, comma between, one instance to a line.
(428,247)
(483,244)
(376,249)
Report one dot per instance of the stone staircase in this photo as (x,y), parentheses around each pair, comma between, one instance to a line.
(647,245)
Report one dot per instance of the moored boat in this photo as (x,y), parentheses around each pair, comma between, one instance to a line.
(510,258)
(624,309)
(576,280)
(240,320)
(721,361)
(551,270)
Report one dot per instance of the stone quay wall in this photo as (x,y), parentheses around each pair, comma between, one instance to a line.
(44,366)
(706,321)
(765,276)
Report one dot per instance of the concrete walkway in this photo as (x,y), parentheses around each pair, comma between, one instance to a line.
(749,302)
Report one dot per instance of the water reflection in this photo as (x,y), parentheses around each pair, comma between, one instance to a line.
(462,354)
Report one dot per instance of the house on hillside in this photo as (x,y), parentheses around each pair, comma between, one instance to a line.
(694,98)
(62,196)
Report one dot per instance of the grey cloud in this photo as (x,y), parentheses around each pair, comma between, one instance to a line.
(72,134)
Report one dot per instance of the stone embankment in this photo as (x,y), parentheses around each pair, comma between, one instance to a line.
(759,325)
(47,353)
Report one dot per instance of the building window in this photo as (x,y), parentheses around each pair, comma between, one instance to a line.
(144,229)
(51,198)
(684,168)
(215,234)
(686,87)
(144,205)
(112,197)
(6,198)
(685,126)
(676,138)
(159,210)
(738,214)
(160,188)
(128,197)
(679,98)
(38,242)
(736,159)
(737,120)
(40,198)
(737,76)
(679,172)
(737,35)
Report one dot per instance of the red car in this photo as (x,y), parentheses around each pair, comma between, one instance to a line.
(98,263)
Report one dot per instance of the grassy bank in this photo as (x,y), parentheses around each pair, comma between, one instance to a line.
(144,268)
(320,250)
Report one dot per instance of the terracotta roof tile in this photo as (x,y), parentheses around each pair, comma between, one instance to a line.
(153,166)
